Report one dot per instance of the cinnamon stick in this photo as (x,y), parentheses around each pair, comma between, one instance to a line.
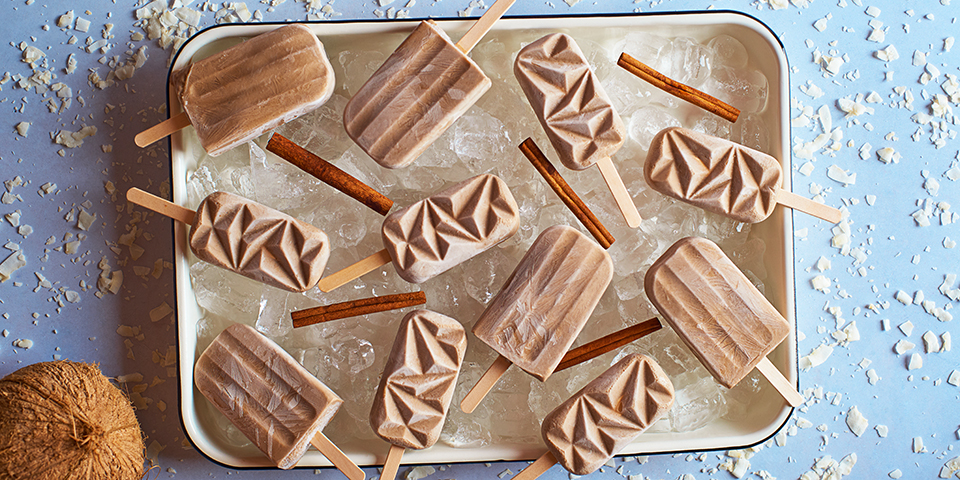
(677,89)
(328,173)
(569,197)
(605,344)
(364,306)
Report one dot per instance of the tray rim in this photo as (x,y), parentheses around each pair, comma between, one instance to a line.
(787,348)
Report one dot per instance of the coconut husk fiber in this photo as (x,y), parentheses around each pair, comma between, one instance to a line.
(65,420)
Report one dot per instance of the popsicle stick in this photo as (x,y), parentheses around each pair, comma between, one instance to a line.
(328,173)
(677,89)
(364,306)
(537,468)
(337,457)
(161,206)
(619,191)
(786,389)
(605,344)
(566,193)
(392,463)
(805,205)
(355,271)
(485,384)
(483,25)
(162,130)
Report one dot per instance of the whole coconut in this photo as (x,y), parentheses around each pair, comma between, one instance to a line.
(65,420)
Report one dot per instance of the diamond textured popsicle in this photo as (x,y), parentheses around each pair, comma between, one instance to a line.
(418,92)
(548,299)
(240,93)
(451,226)
(574,110)
(259,242)
(712,173)
(714,308)
(273,400)
(593,425)
(418,381)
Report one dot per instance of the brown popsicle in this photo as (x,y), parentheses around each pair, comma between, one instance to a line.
(417,384)
(234,96)
(270,397)
(542,307)
(723,177)
(575,112)
(718,313)
(593,425)
(248,238)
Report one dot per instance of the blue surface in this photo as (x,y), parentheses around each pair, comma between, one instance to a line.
(900,254)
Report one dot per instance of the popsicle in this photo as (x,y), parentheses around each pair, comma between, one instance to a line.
(440,232)
(542,307)
(418,92)
(575,112)
(248,238)
(597,422)
(417,384)
(718,313)
(723,177)
(236,95)
(270,397)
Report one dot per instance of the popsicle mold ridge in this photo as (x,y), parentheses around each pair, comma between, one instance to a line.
(548,299)
(714,308)
(418,92)
(259,387)
(715,174)
(593,425)
(259,242)
(575,112)
(419,379)
(228,104)
(451,226)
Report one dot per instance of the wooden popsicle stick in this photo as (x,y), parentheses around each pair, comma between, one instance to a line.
(786,389)
(329,173)
(566,193)
(161,206)
(805,205)
(162,130)
(619,191)
(485,384)
(483,25)
(392,463)
(337,457)
(537,468)
(605,344)
(355,271)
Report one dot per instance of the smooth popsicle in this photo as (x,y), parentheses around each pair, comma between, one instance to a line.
(236,95)
(270,397)
(248,238)
(727,323)
(574,110)
(542,307)
(723,177)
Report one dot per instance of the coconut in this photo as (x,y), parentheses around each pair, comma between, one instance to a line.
(65,420)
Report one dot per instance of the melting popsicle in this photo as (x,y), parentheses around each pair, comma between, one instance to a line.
(542,307)
(270,397)
(418,92)
(236,95)
(417,385)
(593,425)
(248,238)
(723,177)
(575,112)
(718,313)
(440,232)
